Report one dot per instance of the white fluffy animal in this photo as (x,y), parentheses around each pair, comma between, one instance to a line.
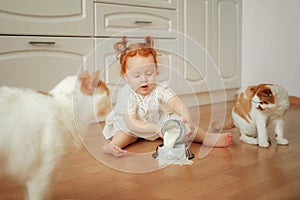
(257,107)
(37,129)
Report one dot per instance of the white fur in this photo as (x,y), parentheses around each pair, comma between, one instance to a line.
(65,87)
(36,130)
(255,132)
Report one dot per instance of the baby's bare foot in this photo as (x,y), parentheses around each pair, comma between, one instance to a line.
(218,140)
(114,150)
(225,140)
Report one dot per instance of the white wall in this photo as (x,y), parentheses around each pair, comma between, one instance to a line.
(271,43)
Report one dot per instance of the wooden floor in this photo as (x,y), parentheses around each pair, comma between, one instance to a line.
(239,172)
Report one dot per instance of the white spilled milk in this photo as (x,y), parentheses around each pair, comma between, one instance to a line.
(171,135)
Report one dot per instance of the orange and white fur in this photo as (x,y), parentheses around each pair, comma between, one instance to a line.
(257,107)
(37,129)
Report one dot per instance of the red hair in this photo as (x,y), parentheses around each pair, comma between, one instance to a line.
(142,49)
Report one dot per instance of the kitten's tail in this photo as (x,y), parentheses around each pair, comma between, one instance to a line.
(217,126)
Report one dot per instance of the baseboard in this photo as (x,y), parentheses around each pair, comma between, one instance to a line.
(295,100)
(207,98)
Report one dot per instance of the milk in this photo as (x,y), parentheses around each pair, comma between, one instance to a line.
(173,150)
(173,132)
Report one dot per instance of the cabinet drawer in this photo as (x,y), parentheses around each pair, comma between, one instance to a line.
(41,62)
(134,21)
(36,17)
(169,4)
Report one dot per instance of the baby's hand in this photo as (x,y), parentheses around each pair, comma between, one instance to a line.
(189,126)
(189,131)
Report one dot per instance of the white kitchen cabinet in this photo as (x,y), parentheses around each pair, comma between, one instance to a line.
(41,62)
(44,17)
(27,34)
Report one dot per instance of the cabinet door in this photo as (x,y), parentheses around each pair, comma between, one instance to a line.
(196,26)
(134,21)
(41,62)
(46,17)
(226,52)
(216,26)
(109,65)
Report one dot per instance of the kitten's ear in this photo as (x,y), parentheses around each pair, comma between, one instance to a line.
(88,83)
(251,90)
(94,78)
(83,75)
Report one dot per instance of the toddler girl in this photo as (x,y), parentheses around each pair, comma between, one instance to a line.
(139,110)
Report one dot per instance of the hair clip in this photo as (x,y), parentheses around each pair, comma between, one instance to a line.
(120,47)
(149,41)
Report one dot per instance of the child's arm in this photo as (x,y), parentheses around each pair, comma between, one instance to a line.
(179,108)
(139,126)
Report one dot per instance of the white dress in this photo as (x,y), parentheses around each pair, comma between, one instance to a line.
(148,108)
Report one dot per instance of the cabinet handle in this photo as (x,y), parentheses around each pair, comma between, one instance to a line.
(41,43)
(143,22)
